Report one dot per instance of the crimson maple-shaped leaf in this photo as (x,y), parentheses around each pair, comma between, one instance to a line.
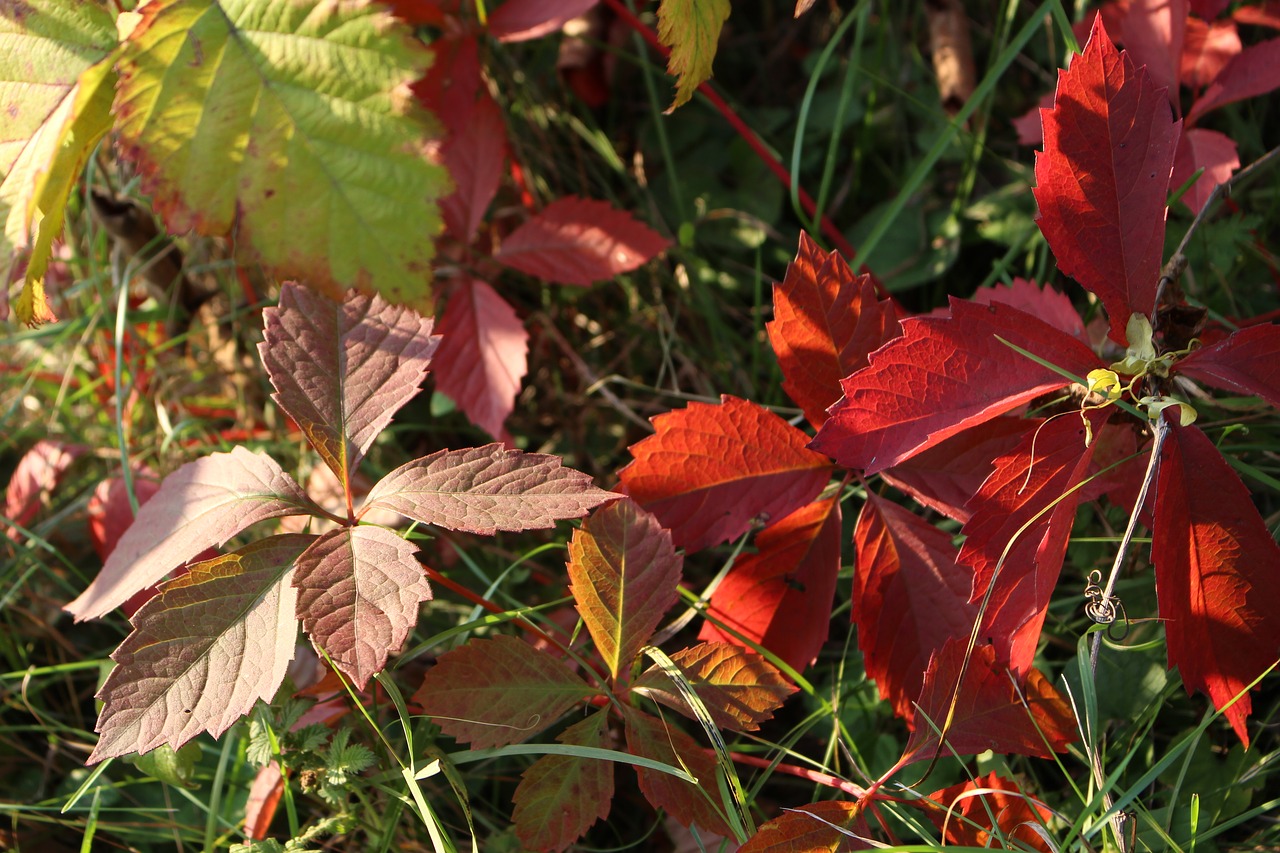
(343,371)
(1247,362)
(498,691)
(560,796)
(825,322)
(738,687)
(1217,574)
(781,596)
(1022,490)
(521,20)
(358,594)
(1203,149)
(201,505)
(989,713)
(1101,181)
(650,737)
(832,826)
(483,355)
(1254,71)
(486,489)
(945,374)
(474,154)
(580,241)
(965,811)
(34,477)
(203,651)
(623,572)
(709,471)
(909,598)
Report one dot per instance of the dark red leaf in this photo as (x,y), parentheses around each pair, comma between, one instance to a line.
(1101,180)
(1247,362)
(781,597)
(963,814)
(710,471)
(474,155)
(1254,71)
(944,375)
(1203,149)
(653,738)
(521,20)
(452,82)
(1217,577)
(580,241)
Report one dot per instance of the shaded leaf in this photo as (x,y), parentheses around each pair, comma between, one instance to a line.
(1252,72)
(521,20)
(739,687)
(909,598)
(343,371)
(781,597)
(291,125)
(710,471)
(964,811)
(33,480)
(203,651)
(623,573)
(1217,574)
(1044,303)
(474,155)
(653,738)
(201,505)
(944,375)
(486,489)
(580,241)
(498,691)
(691,28)
(1109,143)
(1154,33)
(560,796)
(1203,149)
(358,594)
(483,355)
(1246,362)
(825,322)
(826,827)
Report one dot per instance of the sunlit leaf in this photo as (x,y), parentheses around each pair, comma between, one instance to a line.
(739,688)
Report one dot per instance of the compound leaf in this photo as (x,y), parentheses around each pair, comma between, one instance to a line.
(738,687)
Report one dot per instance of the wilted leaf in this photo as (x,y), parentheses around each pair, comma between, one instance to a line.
(1252,72)
(1102,178)
(486,489)
(561,796)
(653,738)
(965,810)
(944,375)
(343,371)
(34,478)
(623,573)
(580,241)
(474,155)
(521,20)
(691,28)
(201,505)
(710,472)
(827,827)
(498,691)
(1246,362)
(909,597)
(781,597)
(825,322)
(358,594)
(203,651)
(291,124)
(739,688)
(1203,149)
(483,355)
(1216,574)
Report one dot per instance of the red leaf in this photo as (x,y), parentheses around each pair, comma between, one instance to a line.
(486,489)
(1101,180)
(1010,498)
(1265,14)
(781,597)
(1154,31)
(909,598)
(739,688)
(560,796)
(1254,71)
(623,573)
(34,478)
(498,691)
(452,82)
(709,471)
(1043,303)
(201,505)
(264,798)
(944,375)
(1207,149)
(989,714)
(521,20)
(1216,573)
(965,810)
(652,738)
(580,241)
(110,513)
(474,155)
(826,827)
(1208,47)
(825,322)
(483,355)
(1247,362)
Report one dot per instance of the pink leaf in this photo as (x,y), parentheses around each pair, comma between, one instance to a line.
(1207,149)
(1101,180)
(34,478)
(1254,71)
(521,20)
(1154,32)
(944,375)
(110,513)
(580,241)
(358,594)
(483,355)
(203,651)
(654,738)
(201,505)
(486,489)
(1208,47)
(1247,362)
(474,154)
(1043,303)
(342,371)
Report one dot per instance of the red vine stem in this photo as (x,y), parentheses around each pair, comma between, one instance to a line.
(744,130)
(803,772)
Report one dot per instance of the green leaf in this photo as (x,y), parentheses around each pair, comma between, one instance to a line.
(561,796)
(291,124)
(691,28)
